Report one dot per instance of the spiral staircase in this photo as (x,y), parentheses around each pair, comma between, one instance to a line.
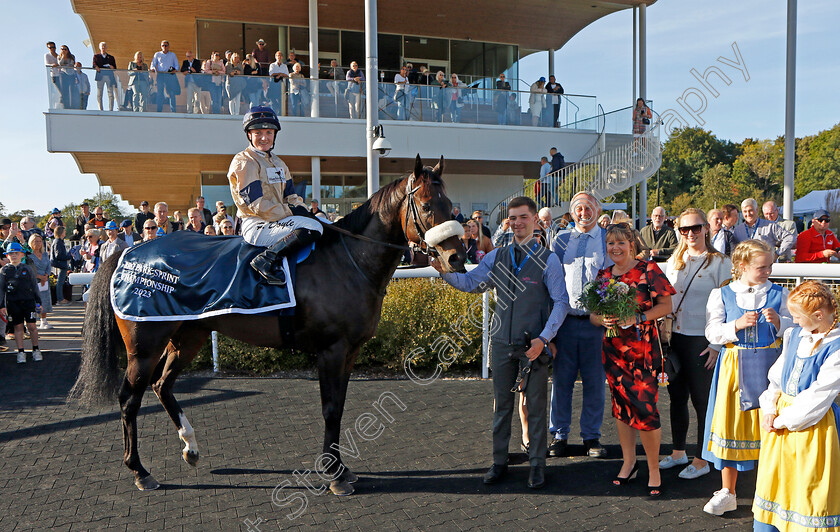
(603,171)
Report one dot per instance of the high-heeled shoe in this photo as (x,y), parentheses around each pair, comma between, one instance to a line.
(621,481)
(655,491)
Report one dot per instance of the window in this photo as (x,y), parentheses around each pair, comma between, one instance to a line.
(425,48)
(219,37)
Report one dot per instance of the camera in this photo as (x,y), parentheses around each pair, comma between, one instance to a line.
(382,146)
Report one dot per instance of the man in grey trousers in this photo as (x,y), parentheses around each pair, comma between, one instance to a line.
(531,302)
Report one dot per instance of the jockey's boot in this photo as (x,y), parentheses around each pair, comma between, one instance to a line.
(269,263)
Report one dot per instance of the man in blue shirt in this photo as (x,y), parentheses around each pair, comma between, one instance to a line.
(531,303)
(165,63)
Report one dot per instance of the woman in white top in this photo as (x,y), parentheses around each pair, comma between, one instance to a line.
(537,101)
(297,83)
(694,261)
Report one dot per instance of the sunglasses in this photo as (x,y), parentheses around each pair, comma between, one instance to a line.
(696,229)
(149,228)
(824,220)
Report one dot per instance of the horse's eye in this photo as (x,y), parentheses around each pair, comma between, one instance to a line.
(426,207)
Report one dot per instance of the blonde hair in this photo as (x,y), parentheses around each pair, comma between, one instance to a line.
(711,252)
(480,239)
(619,217)
(746,252)
(32,237)
(812,296)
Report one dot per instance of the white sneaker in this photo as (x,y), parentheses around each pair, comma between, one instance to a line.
(692,472)
(668,462)
(46,325)
(721,502)
(21,357)
(36,355)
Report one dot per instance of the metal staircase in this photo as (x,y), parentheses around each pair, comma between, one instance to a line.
(602,172)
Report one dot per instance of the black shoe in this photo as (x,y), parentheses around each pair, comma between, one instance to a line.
(536,479)
(655,492)
(495,473)
(594,449)
(270,266)
(621,481)
(524,447)
(557,448)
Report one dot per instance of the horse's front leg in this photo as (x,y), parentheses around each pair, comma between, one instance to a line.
(334,367)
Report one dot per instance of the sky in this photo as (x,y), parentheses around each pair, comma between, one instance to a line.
(681,35)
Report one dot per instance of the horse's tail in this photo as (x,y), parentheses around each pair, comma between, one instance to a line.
(101,341)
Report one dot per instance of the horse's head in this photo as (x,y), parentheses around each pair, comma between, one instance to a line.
(426,216)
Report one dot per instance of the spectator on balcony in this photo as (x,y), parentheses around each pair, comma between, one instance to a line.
(149,230)
(60,260)
(51,61)
(456,98)
(402,86)
(279,73)
(138,82)
(81,220)
(721,237)
(143,215)
(210,230)
(196,223)
(192,84)
(536,101)
(105,78)
(67,77)
(817,244)
(290,64)
(439,91)
(658,238)
(99,219)
(113,245)
(353,93)
(641,117)
(262,56)
(82,86)
(297,92)
(336,74)
(771,213)
(216,68)
(555,89)
(128,234)
(206,215)
(770,233)
(252,93)
(500,99)
(235,83)
(162,218)
(165,64)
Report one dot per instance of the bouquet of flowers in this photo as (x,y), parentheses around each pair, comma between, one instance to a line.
(611,298)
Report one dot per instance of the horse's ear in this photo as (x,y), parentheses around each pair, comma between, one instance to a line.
(418,167)
(438,169)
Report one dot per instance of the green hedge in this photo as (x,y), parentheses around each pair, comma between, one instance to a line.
(416,313)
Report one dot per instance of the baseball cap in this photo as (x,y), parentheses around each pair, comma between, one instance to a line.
(144,202)
(14,246)
(56,211)
(819,213)
(84,204)
(260,41)
(542,78)
(125,223)
(6,221)
(112,225)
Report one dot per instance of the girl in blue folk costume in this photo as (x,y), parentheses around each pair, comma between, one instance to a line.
(749,316)
(798,482)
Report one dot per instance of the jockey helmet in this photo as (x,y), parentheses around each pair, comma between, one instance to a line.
(260,117)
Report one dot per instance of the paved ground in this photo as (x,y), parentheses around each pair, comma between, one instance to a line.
(62,465)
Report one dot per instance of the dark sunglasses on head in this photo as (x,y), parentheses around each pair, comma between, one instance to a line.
(696,229)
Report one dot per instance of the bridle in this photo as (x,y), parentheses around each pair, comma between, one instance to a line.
(419,227)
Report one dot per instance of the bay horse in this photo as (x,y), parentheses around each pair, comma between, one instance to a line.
(340,273)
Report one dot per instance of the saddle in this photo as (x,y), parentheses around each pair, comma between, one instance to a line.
(190,276)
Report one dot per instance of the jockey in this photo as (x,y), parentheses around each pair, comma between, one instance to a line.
(272,213)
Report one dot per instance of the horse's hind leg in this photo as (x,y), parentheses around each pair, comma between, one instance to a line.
(137,377)
(179,353)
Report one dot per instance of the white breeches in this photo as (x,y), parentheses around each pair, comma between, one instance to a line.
(263,233)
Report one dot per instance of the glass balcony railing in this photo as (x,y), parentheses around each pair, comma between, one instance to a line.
(207,94)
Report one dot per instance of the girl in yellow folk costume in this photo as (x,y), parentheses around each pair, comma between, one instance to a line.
(798,482)
(748,316)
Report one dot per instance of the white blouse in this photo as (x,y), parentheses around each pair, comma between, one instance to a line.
(691,318)
(719,331)
(811,404)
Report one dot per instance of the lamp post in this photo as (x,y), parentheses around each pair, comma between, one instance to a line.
(371,96)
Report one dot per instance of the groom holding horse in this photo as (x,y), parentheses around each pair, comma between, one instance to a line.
(531,304)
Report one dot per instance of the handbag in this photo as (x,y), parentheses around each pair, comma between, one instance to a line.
(646,121)
(666,326)
(753,366)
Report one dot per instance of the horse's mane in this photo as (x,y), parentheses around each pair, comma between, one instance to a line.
(383,203)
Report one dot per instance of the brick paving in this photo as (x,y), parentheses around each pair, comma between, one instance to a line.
(62,464)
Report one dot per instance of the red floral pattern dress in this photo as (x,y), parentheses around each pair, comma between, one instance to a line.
(632,360)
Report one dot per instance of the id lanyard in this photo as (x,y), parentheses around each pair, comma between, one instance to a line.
(518,267)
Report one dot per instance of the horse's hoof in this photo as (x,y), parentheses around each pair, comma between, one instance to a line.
(350,476)
(190,457)
(147,483)
(341,488)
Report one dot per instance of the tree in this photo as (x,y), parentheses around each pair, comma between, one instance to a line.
(686,154)
(2,209)
(818,167)
(109,203)
(717,188)
(18,215)
(758,171)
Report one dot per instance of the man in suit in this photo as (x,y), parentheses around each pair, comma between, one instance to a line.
(206,215)
(192,84)
(144,214)
(128,234)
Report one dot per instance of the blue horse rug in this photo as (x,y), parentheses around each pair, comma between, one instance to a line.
(189,276)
